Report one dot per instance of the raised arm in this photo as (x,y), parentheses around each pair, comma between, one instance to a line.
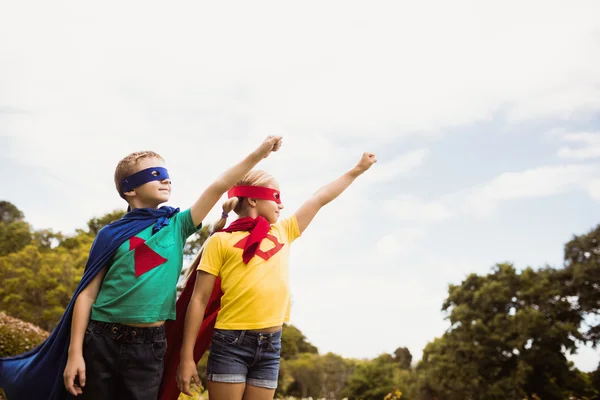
(223,183)
(329,192)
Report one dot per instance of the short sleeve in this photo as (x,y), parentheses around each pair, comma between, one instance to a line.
(289,227)
(185,224)
(212,258)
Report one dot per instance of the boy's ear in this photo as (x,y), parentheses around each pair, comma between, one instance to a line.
(130,193)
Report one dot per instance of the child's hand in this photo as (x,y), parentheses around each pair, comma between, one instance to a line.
(186,374)
(271,143)
(75,369)
(366,161)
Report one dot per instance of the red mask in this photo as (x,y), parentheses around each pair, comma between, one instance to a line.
(255,192)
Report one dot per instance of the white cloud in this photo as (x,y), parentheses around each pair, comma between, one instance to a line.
(484,200)
(594,189)
(395,244)
(412,208)
(588,146)
(398,167)
(532,183)
(386,70)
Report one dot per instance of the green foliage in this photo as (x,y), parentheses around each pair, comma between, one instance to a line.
(337,370)
(595,379)
(581,277)
(196,241)
(10,213)
(95,224)
(14,236)
(371,380)
(308,375)
(507,335)
(39,278)
(47,238)
(312,375)
(38,285)
(294,343)
(403,357)
(15,233)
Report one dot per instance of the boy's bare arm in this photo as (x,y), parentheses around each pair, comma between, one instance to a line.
(81,315)
(329,192)
(227,180)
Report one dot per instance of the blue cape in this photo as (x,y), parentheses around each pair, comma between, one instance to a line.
(38,374)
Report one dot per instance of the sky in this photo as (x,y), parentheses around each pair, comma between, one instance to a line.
(484,116)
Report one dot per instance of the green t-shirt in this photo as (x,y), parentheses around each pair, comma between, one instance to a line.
(140,285)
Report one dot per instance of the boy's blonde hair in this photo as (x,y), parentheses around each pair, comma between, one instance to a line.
(236,204)
(126,167)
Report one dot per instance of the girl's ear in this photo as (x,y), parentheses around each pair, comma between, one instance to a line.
(251,202)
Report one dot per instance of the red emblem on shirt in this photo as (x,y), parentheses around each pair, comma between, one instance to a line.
(265,255)
(145,259)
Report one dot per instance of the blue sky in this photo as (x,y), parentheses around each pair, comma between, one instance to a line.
(485,117)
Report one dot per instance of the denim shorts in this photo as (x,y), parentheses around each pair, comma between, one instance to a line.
(244,357)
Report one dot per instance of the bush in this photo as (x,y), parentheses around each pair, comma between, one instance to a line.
(17,337)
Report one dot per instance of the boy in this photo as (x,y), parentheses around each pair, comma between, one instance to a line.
(128,291)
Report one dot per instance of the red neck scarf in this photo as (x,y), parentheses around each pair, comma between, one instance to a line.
(258,228)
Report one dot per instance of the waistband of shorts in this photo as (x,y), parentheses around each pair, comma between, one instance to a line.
(128,333)
(252,334)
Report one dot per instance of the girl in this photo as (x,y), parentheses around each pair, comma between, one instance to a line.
(250,258)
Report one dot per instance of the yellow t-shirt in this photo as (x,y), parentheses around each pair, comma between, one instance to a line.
(255,295)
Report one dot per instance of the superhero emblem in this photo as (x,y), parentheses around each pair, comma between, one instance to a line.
(145,259)
(265,255)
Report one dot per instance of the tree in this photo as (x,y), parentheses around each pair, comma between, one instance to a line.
(581,277)
(371,380)
(506,339)
(196,241)
(294,343)
(403,357)
(10,213)
(47,238)
(37,285)
(15,233)
(14,236)
(95,224)
(336,373)
(308,375)
(595,378)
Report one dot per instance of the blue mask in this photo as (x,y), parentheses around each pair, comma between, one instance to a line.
(144,176)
